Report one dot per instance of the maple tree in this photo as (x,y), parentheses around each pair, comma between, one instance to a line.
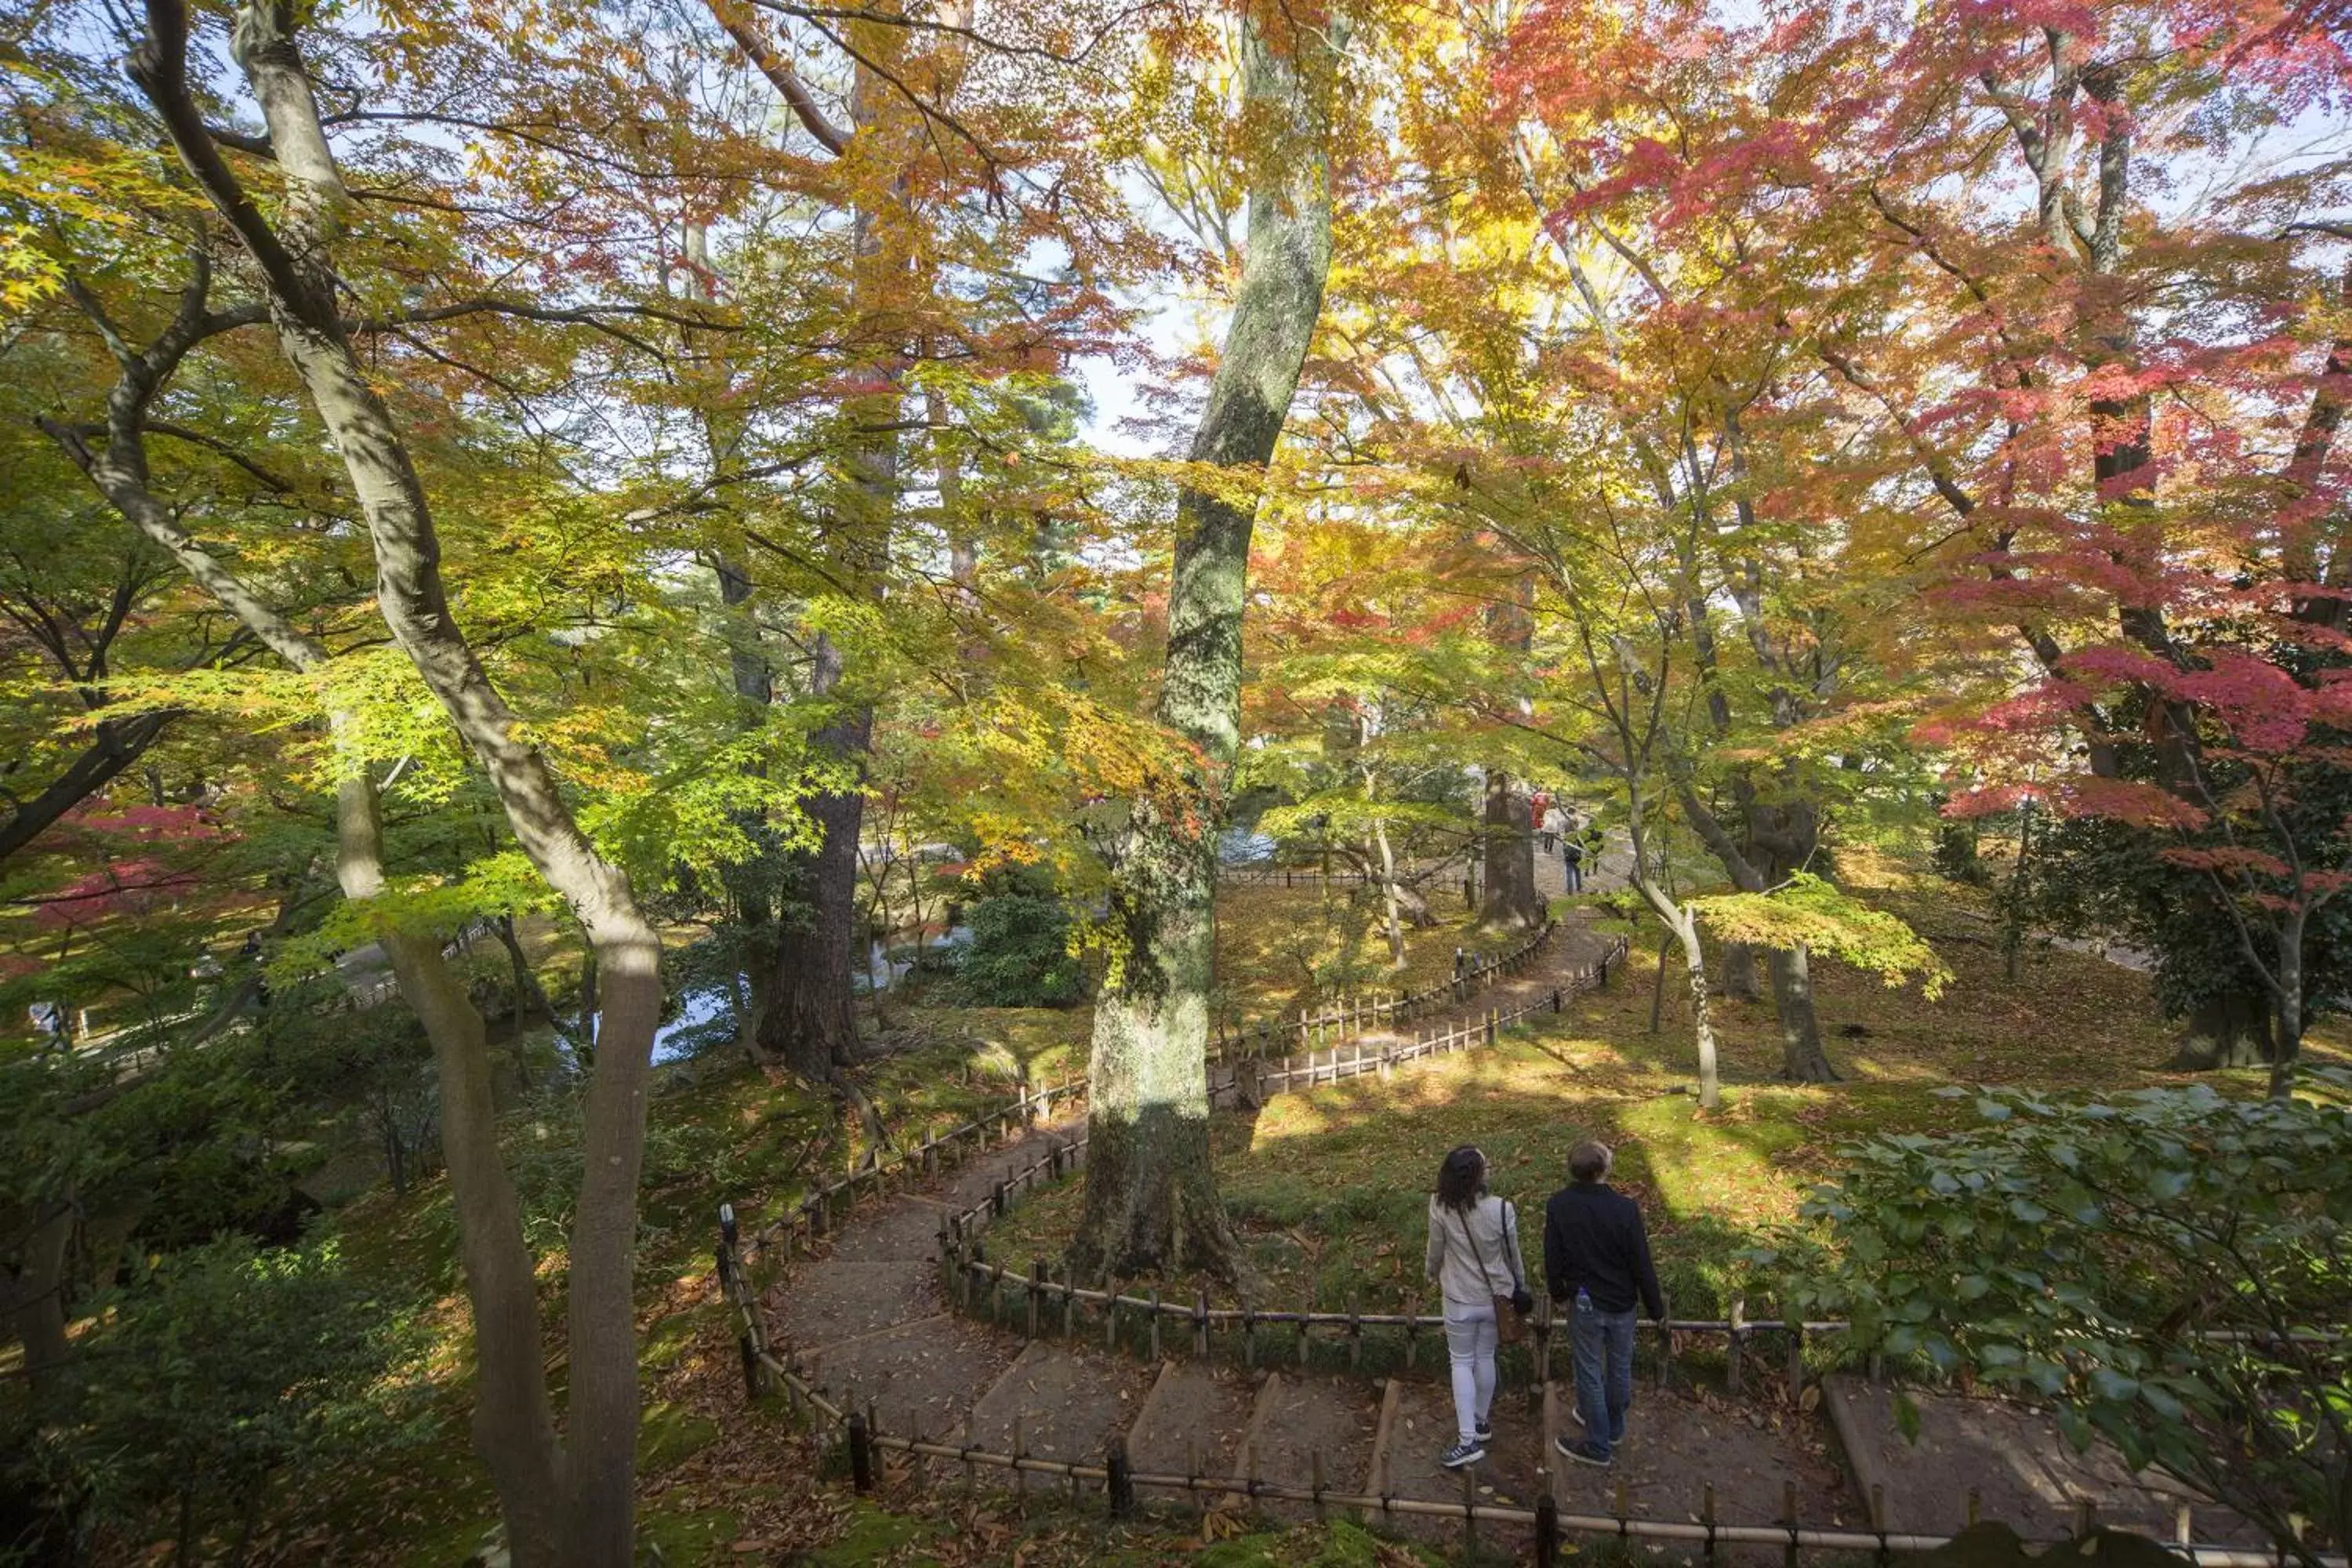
(581,473)
(1150,1198)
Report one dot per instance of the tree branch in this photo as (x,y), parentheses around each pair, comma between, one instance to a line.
(741,28)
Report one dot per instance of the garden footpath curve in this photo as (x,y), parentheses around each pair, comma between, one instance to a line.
(868,1324)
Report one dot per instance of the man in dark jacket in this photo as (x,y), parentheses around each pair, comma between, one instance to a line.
(1597,1254)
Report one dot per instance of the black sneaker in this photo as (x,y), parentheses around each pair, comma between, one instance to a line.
(1462,1454)
(1584,1450)
(1486,1434)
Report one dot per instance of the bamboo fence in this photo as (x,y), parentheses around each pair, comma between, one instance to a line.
(1045,1304)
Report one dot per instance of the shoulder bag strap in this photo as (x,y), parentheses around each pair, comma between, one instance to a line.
(1477,1251)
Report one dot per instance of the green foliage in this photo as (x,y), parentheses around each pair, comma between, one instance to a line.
(224,1364)
(2169,1266)
(1019,955)
(1807,909)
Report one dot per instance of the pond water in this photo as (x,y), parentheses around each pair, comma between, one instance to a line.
(697,1011)
(701,1009)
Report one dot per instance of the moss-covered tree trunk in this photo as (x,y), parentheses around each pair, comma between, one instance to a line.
(1151,1198)
(1509,858)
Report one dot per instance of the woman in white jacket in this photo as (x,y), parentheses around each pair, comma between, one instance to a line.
(1473,1255)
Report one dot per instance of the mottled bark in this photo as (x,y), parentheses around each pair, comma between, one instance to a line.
(569,1503)
(2232,1029)
(1683,925)
(1802,1060)
(1152,1199)
(1781,835)
(1739,972)
(1390,902)
(1681,921)
(1509,858)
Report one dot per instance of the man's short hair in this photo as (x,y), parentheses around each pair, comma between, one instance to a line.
(1589,1161)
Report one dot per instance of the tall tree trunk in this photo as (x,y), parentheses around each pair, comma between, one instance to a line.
(569,1503)
(809,1020)
(1510,858)
(514,1424)
(1803,1061)
(1388,894)
(1683,924)
(1152,1196)
(2231,1029)
(1739,972)
(36,1298)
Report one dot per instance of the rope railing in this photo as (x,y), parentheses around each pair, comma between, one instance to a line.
(812,1217)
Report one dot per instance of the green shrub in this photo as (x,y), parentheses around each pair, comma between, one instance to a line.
(2167,1267)
(1019,955)
(224,1364)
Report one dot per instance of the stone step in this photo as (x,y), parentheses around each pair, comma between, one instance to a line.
(1055,1402)
(920,1379)
(1421,1427)
(831,1301)
(903,1230)
(1192,1422)
(2024,1472)
(972,1182)
(1301,1422)
(1678,1445)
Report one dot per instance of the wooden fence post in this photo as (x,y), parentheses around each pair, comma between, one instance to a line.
(861,1453)
(1547,1531)
(1665,1346)
(1119,1482)
(1542,1351)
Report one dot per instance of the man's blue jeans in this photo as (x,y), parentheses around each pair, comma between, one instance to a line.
(1601,1344)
